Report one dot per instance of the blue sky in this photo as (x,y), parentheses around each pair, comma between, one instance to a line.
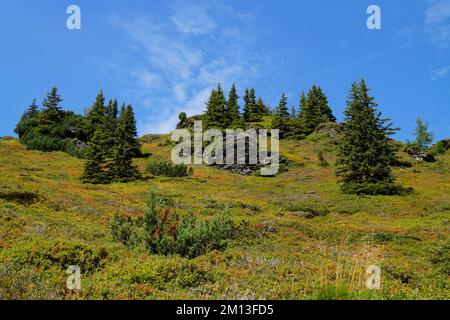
(165,56)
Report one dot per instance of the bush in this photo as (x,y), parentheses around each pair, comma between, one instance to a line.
(56,254)
(164,232)
(47,144)
(19,283)
(375,188)
(322,161)
(167,169)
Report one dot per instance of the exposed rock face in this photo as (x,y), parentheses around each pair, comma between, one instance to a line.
(248,169)
(330,129)
(80,144)
(420,155)
(188,123)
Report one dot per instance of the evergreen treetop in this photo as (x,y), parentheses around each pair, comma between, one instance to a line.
(365,151)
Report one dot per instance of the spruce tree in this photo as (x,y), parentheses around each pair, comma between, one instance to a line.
(51,114)
(365,151)
(254,111)
(325,111)
(216,110)
(281,119)
(314,110)
(122,168)
(28,121)
(247,106)
(98,153)
(261,107)
(233,106)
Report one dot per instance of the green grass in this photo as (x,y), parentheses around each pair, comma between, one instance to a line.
(323,243)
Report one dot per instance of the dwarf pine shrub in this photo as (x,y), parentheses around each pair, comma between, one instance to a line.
(162,231)
(167,169)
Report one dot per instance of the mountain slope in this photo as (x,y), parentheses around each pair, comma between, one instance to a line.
(311,241)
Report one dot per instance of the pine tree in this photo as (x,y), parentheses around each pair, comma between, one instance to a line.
(247,106)
(122,168)
(98,154)
(261,107)
(216,106)
(325,111)
(424,138)
(314,110)
(51,114)
(255,115)
(281,118)
(233,106)
(365,151)
(28,121)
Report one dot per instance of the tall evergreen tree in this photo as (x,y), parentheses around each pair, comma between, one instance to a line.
(314,110)
(247,106)
(281,119)
(126,144)
(28,121)
(255,115)
(365,151)
(325,111)
(424,138)
(233,106)
(51,114)
(261,107)
(216,115)
(98,154)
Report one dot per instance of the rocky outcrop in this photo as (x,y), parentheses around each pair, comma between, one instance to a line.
(419,154)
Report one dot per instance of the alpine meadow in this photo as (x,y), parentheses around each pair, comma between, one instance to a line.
(356,206)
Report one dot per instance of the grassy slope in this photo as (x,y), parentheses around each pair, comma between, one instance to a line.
(322,257)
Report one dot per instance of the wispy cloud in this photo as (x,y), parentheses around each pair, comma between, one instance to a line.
(182,56)
(440,73)
(193,19)
(437,22)
(439,12)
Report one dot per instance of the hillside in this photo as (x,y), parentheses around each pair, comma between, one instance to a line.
(310,240)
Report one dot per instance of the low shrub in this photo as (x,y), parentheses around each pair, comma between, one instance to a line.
(167,169)
(164,232)
(375,188)
(56,254)
(47,144)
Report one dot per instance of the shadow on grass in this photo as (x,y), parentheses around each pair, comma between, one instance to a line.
(22,198)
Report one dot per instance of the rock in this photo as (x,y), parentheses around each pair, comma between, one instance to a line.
(330,129)
(420,155)
(270,229)
(188,123)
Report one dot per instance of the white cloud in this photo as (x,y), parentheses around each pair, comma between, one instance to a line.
(440,73)
(177,71)
(438,13)
(146,79)
(193,19)
(437,23)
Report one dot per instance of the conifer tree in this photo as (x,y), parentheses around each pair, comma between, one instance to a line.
(261,107)
(98,154)
(28,121)
(51,114)
(247,106)
(255,115)
(216,106)
(281,118)
(424,138)
(122,168)
(365,151)
(314,110)
(325,111)
(233,106)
